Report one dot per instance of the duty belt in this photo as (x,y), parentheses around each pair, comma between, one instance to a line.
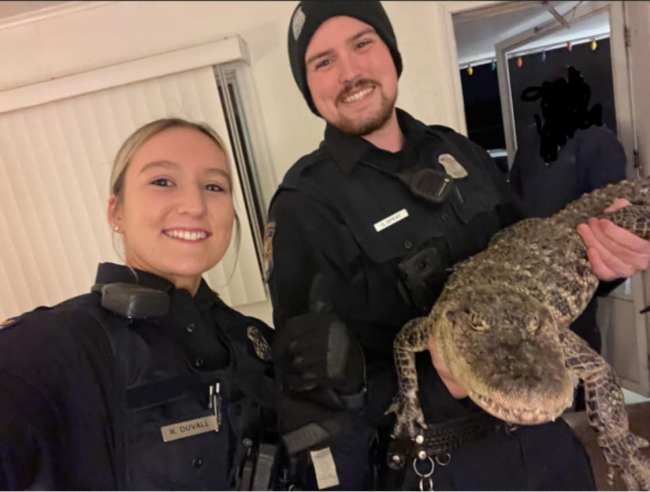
(442,438)
(433,446)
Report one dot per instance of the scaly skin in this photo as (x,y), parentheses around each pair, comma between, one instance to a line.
(502,328)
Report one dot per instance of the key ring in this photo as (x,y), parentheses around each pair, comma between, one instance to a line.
(443,459)
(420,474)
(429,484)
(425,478)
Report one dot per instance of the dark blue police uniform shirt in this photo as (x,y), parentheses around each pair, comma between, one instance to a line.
(323,216)
(59,413)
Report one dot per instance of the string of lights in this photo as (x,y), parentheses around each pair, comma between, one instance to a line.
(519,54)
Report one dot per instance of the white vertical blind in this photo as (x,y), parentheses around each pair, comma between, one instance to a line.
(55,162)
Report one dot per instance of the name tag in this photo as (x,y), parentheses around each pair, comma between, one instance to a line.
(391,219)
(189,428)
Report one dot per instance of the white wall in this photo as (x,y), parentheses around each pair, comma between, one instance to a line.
(97,34)
(105,33)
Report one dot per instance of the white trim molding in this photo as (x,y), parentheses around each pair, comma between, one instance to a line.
(225,50)
(44,13)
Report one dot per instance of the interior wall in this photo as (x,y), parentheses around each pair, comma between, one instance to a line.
(106,33)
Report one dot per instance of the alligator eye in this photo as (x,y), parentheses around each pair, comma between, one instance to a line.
(464,317)
(477,323)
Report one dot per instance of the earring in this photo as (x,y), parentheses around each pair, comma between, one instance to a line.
(116,228)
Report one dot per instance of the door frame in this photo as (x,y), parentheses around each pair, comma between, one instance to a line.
(620,73)
(620,68)
(627,123)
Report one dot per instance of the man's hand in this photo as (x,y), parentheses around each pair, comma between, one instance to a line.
(613,251)
(316,351)
(320,371)
(455,389)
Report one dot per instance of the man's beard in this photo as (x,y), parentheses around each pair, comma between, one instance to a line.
(363,126)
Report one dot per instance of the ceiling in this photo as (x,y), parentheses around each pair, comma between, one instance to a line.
(478,31)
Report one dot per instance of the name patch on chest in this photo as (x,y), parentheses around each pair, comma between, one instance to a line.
(189,428)
(391,219)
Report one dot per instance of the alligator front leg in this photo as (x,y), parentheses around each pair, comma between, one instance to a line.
(607,415)
(412,338)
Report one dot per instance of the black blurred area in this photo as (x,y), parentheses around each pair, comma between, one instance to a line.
(594,66)
(483,107)
(481,89)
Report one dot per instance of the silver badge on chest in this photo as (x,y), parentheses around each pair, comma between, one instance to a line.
(452,167)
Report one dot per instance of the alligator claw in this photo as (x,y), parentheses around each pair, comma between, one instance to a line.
(409,417)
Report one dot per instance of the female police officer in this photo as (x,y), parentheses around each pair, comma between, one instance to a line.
(150,381)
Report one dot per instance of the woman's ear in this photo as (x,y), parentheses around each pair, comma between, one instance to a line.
(113,213)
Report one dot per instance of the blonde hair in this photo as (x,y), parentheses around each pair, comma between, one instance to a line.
(144,133)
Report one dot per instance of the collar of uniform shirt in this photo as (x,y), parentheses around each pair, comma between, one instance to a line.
(108,273)
(111,272)
(347,150)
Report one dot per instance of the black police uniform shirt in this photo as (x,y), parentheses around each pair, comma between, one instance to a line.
(68,420)
(591,159)
(323,219)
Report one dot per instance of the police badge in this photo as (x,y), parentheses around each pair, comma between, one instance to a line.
(452,167)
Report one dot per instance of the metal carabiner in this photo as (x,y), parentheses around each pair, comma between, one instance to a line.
(425,478)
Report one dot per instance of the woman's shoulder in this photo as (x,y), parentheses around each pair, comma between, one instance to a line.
(49,333)
(50,317)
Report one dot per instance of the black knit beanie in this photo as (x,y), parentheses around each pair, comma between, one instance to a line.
(310,14)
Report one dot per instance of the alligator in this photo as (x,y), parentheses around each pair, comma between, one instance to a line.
(501,326)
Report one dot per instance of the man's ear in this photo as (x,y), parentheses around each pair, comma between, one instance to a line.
(113,213)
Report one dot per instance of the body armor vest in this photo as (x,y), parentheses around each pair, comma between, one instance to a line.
(155,388)
(390,223)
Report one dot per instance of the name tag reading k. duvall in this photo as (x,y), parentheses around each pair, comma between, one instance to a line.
(189,428)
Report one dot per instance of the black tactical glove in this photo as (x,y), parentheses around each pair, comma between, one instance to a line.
(316,351)
(321,375)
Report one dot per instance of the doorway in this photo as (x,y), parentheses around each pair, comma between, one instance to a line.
(505,47)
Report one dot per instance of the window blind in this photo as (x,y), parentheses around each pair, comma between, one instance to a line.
(55,162)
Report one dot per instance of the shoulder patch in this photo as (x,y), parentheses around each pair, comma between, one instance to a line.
(442,128)
(260,345)
(268,250)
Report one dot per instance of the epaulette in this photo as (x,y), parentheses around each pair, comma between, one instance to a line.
(442,128)
(292,177)
(291,180)
(16,320)
(9,322)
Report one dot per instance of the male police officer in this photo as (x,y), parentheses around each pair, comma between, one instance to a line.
(364,231)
